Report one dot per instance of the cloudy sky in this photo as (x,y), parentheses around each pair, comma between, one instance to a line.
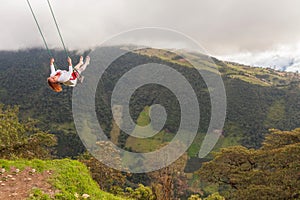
(256,32)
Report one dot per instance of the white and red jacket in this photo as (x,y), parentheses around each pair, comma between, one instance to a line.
(68,78)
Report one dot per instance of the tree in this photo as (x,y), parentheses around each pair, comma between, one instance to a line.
(106,177)
(271,172)
(214,196)
(22,139)
(140,193)
(170,182)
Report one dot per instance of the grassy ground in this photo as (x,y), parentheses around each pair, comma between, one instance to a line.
(147,144)
(223,142)
(250,79)
(253,75)
(184,59)
(69,178)
(153,143)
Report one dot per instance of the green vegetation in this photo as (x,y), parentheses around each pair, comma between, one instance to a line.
(249,101)
(230,140)
(22,140)
(271,172)
(144,118)
(259,76)
(257,99)
(108,179)
(69,178)
(147,144)
(276,114)
(250,79)
(164,55)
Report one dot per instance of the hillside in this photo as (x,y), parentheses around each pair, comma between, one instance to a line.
(250,74)
(257,99)
(53,179)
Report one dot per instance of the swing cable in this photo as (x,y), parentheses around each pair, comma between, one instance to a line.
(39,28)
(45,43)
(61,39)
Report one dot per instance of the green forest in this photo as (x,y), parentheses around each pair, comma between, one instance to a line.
(257,155)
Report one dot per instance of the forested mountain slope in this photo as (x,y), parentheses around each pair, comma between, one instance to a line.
(257,99)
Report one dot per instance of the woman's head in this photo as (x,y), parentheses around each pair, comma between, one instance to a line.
(53,84)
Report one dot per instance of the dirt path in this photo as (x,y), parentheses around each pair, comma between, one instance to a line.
(15,184)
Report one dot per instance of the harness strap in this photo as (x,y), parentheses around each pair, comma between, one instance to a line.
(74,76)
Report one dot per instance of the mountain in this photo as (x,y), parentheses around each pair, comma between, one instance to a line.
(257,98)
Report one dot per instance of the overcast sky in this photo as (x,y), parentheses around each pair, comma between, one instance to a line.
(223,27)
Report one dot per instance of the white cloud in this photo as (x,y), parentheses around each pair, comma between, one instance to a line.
(221,27)
(284,58)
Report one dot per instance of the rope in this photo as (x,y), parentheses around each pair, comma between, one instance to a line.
(61,39)
(49,52)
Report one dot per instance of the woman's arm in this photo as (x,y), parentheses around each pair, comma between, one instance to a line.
(53,71)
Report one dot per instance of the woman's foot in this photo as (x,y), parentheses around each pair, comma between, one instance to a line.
(87,60)
(80,78)
(81,60)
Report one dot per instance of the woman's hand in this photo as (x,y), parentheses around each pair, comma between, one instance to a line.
(69,61)
(51,61)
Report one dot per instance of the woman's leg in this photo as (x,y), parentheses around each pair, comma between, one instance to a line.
(77,67)
(83,67)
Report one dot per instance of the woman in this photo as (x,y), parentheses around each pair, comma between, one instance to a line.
(70,77)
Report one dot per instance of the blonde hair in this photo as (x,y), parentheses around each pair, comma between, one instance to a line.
(54,86)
